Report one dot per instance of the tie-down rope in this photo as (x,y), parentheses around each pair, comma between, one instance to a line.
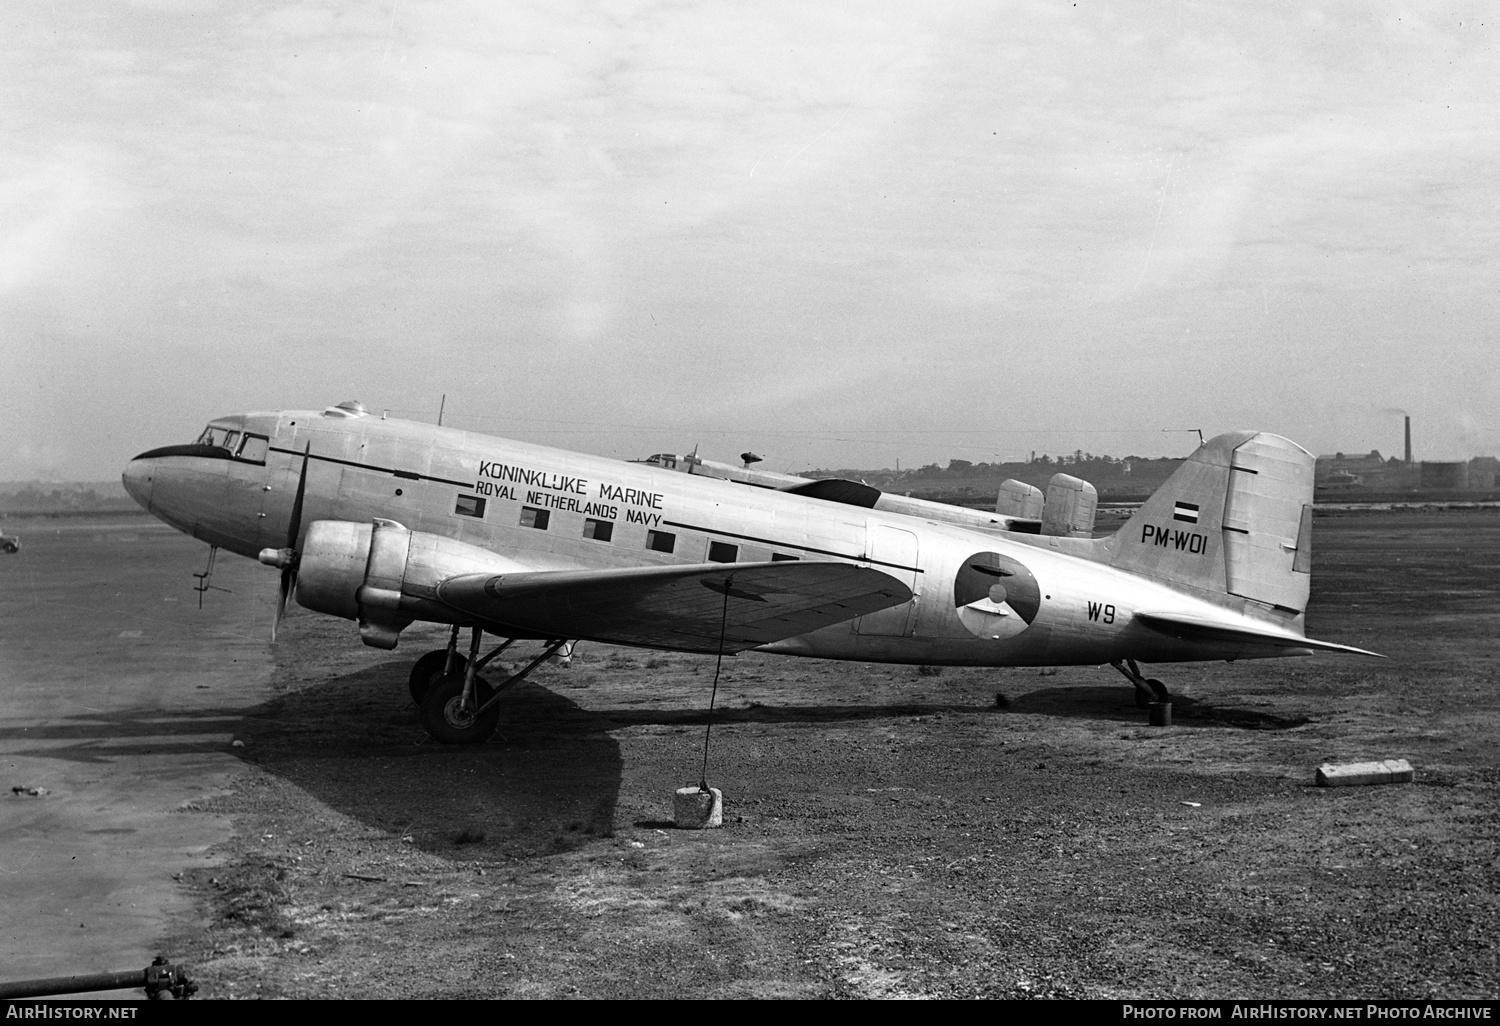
(718,664)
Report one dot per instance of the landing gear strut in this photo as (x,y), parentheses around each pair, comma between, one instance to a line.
(437,663)
(460,707)
(1147,689)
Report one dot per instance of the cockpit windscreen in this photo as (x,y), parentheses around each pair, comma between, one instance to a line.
(219,437)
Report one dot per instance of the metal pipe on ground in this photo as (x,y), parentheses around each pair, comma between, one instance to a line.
(161,980)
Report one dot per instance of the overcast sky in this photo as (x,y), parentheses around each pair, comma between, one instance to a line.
(838,234)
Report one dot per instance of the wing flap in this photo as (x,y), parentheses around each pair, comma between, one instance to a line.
(1198,628)
(681,607)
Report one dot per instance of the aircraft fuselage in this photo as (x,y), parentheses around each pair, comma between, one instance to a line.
(979,597)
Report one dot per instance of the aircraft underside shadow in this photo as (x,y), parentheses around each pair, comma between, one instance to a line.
(1111,702)
(1115,703)
(548,782)
(758,712)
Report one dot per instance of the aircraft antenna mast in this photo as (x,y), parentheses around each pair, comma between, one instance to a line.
(442,404)
(1183,431)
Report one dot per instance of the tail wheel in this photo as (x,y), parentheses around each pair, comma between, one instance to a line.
(429,667)
(1158,693)
(449,721)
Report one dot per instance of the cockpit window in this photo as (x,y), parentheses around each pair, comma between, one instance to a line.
(219,437)
(253,448)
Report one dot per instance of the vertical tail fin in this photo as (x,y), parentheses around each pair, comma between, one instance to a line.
(1235,519)
(1019,499)
(1071,504)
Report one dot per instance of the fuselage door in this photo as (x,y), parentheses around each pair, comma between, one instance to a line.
(892,551)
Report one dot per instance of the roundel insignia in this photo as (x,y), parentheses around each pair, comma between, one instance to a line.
(996,596)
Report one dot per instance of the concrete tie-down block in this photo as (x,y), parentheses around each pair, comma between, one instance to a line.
(696,809)
(1351,774)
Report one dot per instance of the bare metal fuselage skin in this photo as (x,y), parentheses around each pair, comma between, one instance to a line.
(478,489)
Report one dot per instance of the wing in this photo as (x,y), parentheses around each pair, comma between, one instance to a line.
(680,607)
(1194,628)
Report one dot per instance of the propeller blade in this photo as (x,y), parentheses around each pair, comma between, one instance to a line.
(293,530)
(288,585)
(294,526)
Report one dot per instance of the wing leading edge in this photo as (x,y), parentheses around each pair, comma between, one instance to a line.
(679,607)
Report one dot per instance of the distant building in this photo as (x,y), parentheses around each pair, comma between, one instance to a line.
(1483,472)
(1370,472)
(1446,476)
(1374,473)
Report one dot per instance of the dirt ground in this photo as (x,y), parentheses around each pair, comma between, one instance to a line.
(118,701)
(978,833)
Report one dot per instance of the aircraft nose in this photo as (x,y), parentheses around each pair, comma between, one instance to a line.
(137,480)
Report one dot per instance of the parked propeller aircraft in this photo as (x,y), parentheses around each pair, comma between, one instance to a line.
(386,522)
(852,493)
(1067,507)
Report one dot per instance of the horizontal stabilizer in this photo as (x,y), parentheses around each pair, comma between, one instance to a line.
(1249,632)
(680,607)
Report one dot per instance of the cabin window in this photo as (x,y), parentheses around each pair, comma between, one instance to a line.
(533,517)
(469,506)
(779,557)
(661,541)
(254,447)
(722,552)
(599,530)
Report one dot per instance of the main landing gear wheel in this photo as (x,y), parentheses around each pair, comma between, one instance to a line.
(448,718)
(428,668)
(450,721)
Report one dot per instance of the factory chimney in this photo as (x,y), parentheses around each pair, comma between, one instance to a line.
(1408,441)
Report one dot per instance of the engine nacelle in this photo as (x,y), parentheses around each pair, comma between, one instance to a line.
(385,576)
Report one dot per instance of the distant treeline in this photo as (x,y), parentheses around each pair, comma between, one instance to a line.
(64,497)
(1123,478)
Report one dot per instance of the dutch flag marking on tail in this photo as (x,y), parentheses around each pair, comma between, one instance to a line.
(1187,511)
